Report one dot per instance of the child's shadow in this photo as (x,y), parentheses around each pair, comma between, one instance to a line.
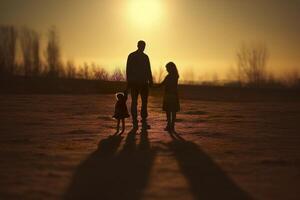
(207,180)
(106,174)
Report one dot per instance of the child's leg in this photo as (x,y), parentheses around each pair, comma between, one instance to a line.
(123,125)
(118,125)
(173,120)
(168,114)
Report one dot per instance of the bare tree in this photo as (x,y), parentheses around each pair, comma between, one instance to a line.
(99,73)
(26,49)
(8,40)
(83,72)
(70,70)
(30,48)
(86,71)
(37,65)
(53,54)
(80,72)
(251,63)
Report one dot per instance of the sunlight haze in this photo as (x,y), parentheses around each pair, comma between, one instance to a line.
(201,37)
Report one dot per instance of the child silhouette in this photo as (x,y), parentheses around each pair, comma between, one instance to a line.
(121,111)
(170,100)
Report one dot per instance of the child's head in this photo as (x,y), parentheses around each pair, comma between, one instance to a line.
(172,69)
(120,96)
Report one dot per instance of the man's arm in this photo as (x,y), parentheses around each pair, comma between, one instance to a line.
(128,68)
(149,72)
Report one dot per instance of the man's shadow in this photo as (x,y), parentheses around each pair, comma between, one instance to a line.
(106,174)
(207,180)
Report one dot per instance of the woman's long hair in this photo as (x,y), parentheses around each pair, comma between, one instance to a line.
(172,69)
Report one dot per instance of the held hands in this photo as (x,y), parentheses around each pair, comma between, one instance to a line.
(125,92)
(151,83)
(156,86)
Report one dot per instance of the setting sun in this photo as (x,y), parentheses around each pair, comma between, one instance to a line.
(144,13)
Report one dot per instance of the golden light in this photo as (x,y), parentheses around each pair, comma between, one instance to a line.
(145,13)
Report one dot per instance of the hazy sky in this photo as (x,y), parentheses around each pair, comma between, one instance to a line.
(199,35)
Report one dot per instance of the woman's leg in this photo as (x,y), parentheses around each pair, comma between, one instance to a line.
(168,114)
(173,120)
(123,125)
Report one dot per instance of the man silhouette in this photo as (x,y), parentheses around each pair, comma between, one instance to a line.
(139,78)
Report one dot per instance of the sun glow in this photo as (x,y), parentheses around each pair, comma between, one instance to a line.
(145,13)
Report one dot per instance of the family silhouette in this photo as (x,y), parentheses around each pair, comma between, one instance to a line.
(139,79)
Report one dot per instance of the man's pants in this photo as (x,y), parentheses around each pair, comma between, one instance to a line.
(143,90)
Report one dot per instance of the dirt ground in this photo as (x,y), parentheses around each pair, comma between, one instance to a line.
(61,147)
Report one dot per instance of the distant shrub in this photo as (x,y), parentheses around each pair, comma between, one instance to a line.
(100,74)
(70,70)
(117,75)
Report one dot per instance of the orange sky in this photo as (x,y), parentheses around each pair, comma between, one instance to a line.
(200,36)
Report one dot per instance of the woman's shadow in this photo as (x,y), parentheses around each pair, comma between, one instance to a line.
(207,180)
(108,174)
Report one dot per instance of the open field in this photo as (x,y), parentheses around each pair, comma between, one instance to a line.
(44,86)
(59,146)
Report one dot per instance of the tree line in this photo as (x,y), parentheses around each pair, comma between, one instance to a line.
(21,54)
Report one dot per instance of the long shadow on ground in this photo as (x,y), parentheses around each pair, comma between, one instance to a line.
(207,180)
(111,176)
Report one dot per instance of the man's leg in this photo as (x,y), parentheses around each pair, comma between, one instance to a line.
(173,121)
(168,115)
(118,126)
(144,96)
(134,101)
(123,126)
(144,111)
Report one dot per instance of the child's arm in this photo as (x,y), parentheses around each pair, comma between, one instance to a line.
(126,94)
(126,91)
(162,83)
